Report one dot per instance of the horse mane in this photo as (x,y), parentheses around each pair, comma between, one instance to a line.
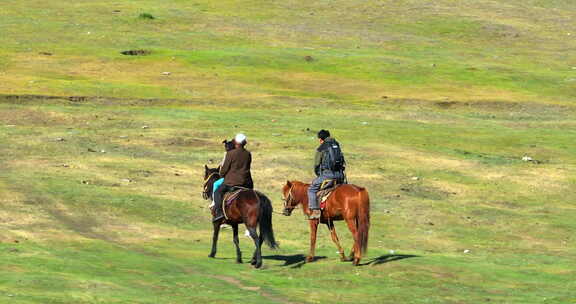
(213,170)
(299,183)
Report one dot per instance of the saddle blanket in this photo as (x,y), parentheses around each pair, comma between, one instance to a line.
(229,197)
(324,194)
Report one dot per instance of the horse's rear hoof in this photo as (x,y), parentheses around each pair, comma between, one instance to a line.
(238,261)
(258,265)
(212,255)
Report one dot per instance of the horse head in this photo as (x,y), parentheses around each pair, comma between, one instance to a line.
(290,202)
(211,175)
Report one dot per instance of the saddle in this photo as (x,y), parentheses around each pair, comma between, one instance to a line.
(326,188)
(230,196)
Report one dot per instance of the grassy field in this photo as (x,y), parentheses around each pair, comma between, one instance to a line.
(435,104)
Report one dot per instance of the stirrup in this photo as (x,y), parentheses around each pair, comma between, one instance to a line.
(217,218)
(316,214)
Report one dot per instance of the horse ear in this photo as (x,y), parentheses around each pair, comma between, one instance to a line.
(288,183)
(206,168)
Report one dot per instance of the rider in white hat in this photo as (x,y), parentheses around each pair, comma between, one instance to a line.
(240,138)
(236,172)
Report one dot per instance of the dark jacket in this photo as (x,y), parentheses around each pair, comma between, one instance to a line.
(236,168)
(320,155)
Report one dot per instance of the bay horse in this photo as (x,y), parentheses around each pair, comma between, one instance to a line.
(250,207)
(347,202)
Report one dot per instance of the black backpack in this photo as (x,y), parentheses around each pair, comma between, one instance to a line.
(334,159)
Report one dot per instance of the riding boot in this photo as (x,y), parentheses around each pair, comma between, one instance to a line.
(218,214)
(218,198)
(315,214)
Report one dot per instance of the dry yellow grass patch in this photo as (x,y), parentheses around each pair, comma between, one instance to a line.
(32,117)
(21,220)
(416,158)
(542,179)
(450,187)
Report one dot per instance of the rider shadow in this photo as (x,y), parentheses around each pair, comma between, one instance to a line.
(294,261)
(387,258)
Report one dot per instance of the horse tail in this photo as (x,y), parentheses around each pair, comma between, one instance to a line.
(265,221)
(363,220)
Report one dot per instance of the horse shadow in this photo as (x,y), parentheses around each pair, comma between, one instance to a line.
(387,258)
(298,260)
(292,261)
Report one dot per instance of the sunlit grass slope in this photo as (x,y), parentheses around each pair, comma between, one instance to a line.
(348,50)
(98,209)
(435,104)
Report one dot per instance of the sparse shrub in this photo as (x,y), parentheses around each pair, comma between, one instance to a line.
(146,16)
(136,52)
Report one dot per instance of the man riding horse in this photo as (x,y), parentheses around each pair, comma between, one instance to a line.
(329,166)
(236,173)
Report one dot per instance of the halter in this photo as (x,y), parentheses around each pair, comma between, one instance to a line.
(206,181)
(289,199)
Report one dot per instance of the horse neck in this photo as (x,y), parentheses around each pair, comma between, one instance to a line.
(211,180)
(301,196)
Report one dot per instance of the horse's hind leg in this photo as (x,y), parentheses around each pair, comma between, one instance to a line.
(355,253)
(257,257)
(237,243)
(214,239)
(336,240)
(261,240)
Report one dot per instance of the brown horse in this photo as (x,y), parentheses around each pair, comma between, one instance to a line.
(251,208)
(348,202)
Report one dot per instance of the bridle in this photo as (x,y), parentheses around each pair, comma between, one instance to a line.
(288,202)
(205,194)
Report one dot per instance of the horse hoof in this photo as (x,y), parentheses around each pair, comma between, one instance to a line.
(212,255)
(252,262)
(238,261)
(258,265)
(309,259)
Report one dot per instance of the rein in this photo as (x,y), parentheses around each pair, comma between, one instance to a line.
(289,199)
(206,181)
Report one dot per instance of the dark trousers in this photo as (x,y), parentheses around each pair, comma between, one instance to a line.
(317,183)
(218,197)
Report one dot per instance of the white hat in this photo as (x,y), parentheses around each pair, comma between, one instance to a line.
(240,138)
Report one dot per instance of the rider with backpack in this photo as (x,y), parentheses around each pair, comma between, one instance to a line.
(329,164)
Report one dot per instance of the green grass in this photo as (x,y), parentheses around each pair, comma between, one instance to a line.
(435,104)
(146,241)
(409,49)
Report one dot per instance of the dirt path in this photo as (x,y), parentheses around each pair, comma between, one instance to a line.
(259,290)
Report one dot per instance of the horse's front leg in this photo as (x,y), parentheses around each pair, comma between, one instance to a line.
(336,241)
(313,231)
(214,239)
(237,243)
